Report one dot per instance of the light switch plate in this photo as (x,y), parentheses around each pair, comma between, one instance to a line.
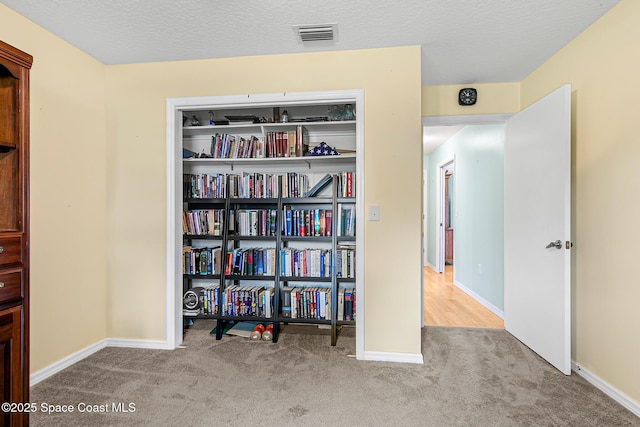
(374,213)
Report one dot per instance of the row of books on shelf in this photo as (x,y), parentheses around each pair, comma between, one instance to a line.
(346,260)
(251,262)
(306,303)
(240,300)
(253,222)
(277,144)
(263,222)
(315,303)
(244,185)
(226,146)
(287,143)
(242,222)
(346,184)
(261,261)
(203,222)
(305,262)
(319,222)
(346,220)
(202,261)
(262,185)
(204,186)
(307,222)
(265,185)
(207,303)
(293,262)
(236,300)
(257,301)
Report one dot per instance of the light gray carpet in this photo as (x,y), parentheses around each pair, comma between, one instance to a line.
(471,377)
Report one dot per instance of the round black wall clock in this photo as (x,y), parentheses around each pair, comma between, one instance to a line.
(467,96)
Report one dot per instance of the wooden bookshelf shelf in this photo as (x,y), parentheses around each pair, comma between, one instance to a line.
(204,201)
(306,161)
(305,279)
(307,238)
(247,319)
(342,126)
(202,276)
(307,200)
(201,237)
(248,238)
(249,277)
(302,320)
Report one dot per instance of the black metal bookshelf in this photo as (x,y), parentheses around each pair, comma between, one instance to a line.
(231,240)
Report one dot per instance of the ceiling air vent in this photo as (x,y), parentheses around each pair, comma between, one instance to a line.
(316,33)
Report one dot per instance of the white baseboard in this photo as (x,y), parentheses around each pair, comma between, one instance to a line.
(131,343)
(495,310)
(607,389)
(383,356)
(64,363)
(431,266)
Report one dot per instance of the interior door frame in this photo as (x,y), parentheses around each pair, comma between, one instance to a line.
(440,193)
(174,109)
(480,119)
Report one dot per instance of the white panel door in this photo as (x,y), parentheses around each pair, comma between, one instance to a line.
(537,229)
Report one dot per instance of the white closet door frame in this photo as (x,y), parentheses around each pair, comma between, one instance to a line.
(174,109)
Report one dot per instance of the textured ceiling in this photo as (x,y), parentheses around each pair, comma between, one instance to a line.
(463,41)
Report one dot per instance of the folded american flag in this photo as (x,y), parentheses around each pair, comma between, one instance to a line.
(322,149)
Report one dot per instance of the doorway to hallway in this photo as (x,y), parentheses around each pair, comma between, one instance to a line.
(463,225)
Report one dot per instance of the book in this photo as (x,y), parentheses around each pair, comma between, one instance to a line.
(348,305)
(340,304)
(288,218)
(328,222)
(316,222)
(286,302)
(242,329)
(316,189)
(300,145)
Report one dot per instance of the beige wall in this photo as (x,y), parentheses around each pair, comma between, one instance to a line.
(603,66)
(68,193)
(493,98)
(87,286)
(136,166)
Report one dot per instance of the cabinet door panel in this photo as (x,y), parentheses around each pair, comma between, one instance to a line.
(10,250)
(10,362)
(10,285)
(9,154)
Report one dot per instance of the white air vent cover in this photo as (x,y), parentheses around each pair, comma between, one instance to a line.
(316,33)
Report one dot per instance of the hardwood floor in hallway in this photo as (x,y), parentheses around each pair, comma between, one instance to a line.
(446,305)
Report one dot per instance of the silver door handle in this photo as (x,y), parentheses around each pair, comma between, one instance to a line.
(557,244)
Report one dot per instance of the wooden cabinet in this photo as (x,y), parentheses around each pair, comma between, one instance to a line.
(14,229)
